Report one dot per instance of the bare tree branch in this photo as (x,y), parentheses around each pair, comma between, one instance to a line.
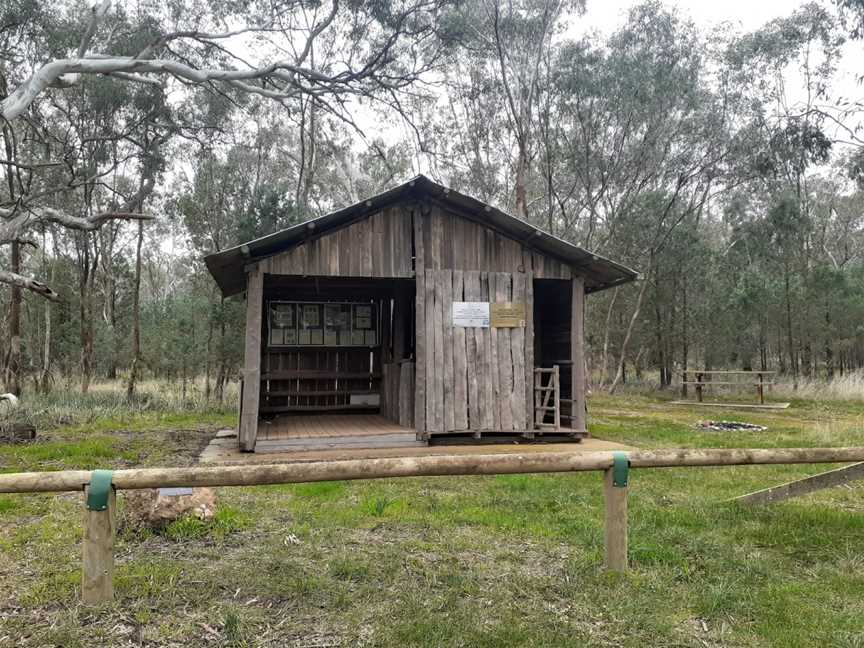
(28,283)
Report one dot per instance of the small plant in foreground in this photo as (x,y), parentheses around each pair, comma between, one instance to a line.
(377,506)
(227,520)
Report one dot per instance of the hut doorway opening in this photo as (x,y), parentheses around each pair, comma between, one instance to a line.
(337,362)
(552,341)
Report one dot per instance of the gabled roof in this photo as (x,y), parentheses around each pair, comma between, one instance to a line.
(228,266)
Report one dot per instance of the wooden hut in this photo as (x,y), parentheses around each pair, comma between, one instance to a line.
(416,313)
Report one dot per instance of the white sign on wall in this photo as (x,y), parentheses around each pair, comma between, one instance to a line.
(471,314)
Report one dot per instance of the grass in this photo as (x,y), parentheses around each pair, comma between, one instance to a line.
(227,520)
(511,560)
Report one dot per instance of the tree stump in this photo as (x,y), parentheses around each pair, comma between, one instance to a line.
(17,432)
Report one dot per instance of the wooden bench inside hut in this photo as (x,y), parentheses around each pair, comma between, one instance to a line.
(419,315)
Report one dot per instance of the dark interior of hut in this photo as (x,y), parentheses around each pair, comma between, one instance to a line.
(335,345)
(552,298)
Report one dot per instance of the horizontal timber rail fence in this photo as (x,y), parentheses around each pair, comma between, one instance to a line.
(99,486)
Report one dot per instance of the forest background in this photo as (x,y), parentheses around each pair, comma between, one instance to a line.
(725,164)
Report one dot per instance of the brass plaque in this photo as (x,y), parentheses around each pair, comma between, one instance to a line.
(507,314)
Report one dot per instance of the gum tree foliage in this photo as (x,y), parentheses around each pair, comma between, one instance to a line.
(92,95)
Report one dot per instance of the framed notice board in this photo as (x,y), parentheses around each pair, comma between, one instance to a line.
(303,324)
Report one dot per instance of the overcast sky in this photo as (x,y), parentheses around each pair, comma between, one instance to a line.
(750,14)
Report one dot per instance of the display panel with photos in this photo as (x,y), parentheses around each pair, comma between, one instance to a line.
(322,324)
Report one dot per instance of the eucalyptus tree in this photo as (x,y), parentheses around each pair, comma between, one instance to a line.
(788,140)
(60,61)
(500,68)
(646,143)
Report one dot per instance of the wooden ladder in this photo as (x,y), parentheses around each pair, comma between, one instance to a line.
(543,394)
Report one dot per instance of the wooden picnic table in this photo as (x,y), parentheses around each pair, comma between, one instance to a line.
(700,383)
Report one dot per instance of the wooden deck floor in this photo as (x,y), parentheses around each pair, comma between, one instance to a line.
(301,433)
(327,425)
(223,450)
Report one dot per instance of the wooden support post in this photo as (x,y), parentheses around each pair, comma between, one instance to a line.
(248,427)
(556,395)
(699,387)
(578,420)
(538,396)
(97,582)
(616,523)
(760,389)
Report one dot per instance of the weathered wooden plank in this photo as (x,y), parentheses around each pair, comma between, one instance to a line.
(407,244)
(366,230)
(577,355)
(494,372)
(300,260)
(343,238)
(615,532)
(97,580)
(376,241)
(489,373)
(503,291)
(438,328)
(394,391)
(386,331)
(248,427)
(518,402)
(384,398)
(393,237)
(529,349)
(445,282)
(406,394)
(432,351)
(474,234)
(400,317)
(450,245)
(460,385)
(419,324)
(334,265)
(538,261)
(311,258)
(473,350)
(804,486)
(438,243)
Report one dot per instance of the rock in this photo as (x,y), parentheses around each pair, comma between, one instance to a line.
(8,402)
(151,508)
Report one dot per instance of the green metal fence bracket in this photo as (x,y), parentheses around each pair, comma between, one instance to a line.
(100,487)
(620,469)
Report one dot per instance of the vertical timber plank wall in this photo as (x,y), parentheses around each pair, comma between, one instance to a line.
(378,245)
(419,325)
(475,377)
(460,377)
(248,428)
(577,354)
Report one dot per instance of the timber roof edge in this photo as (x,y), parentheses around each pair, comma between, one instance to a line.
(228,266)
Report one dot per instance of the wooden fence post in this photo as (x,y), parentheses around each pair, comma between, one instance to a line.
(97,582)
(616,523)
